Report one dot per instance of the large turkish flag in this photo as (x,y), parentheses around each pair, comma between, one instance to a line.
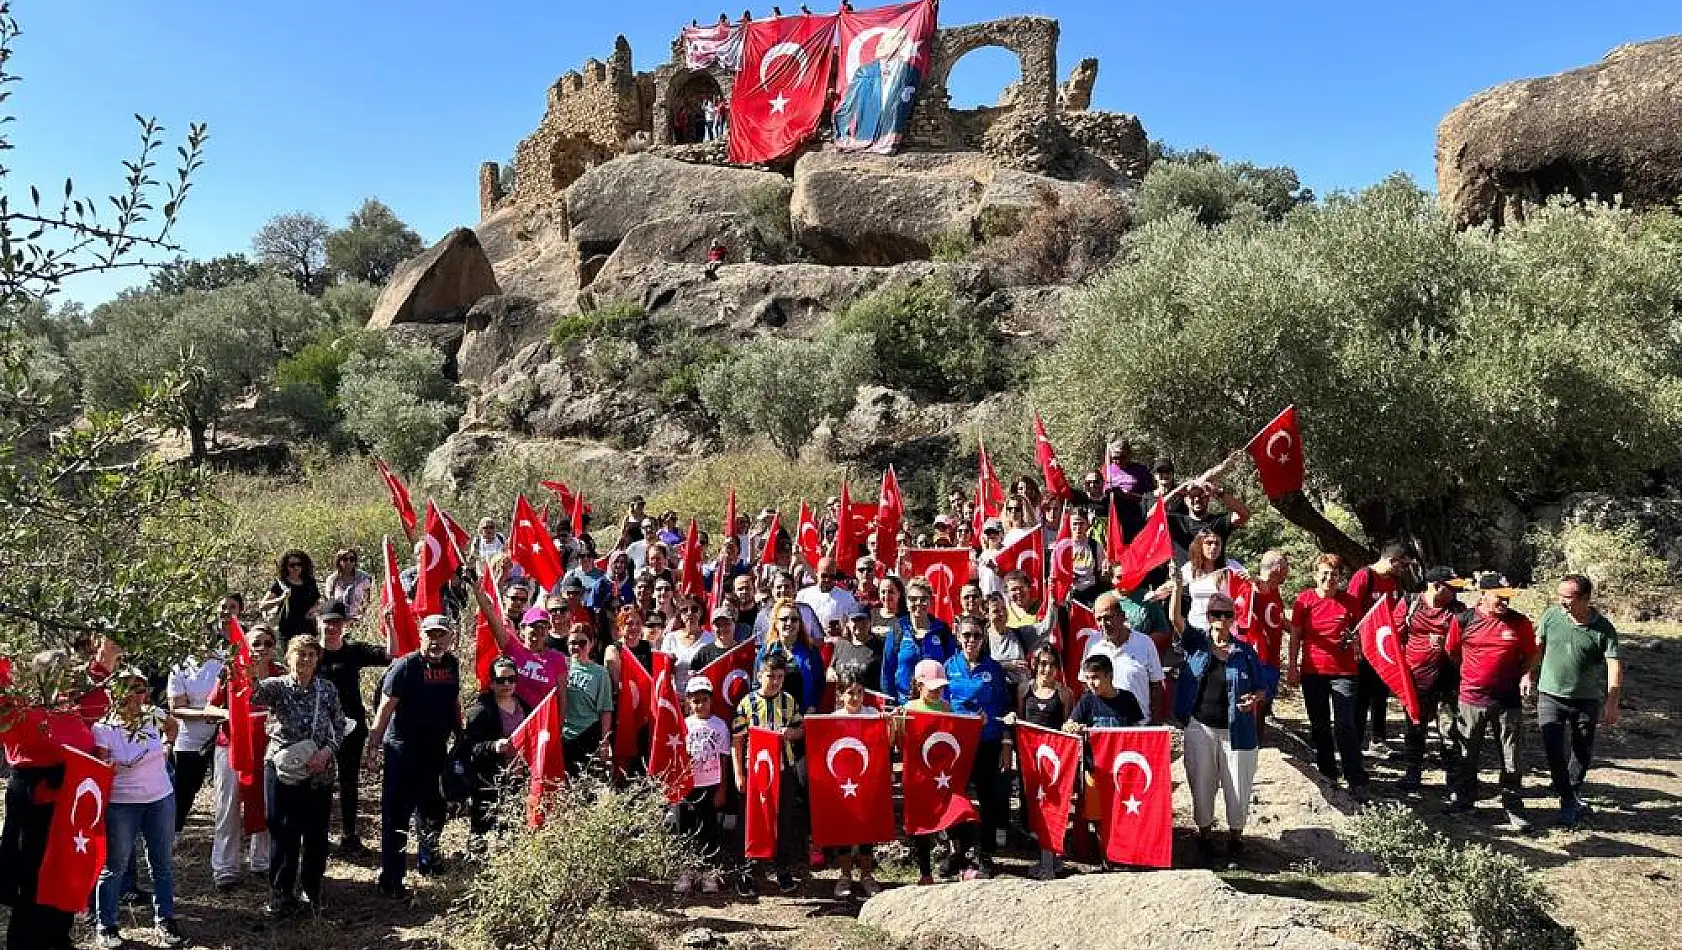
(1133,781)
(485,648)
(668,750)
(1050,761)
(763,796)
(1025,554)
(1062,565)
(1383,652)
(538,740)
(808,540)
(782,87)
(885,55)
(399,493)
(890,517)
(939,752)
(851,780)
(731,675)
(946,570)
(438,563)
(1277,451)
(76,836)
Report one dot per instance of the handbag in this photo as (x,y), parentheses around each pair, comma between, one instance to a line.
(292,761)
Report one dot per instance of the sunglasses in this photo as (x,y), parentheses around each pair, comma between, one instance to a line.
(505,680)
(831,576)
(575,644)
(1221,615)
(1103,617)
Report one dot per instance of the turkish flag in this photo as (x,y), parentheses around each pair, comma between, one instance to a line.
(1243,593)
(691,581)
(76,836)
(807,538)
(578,510)
(538,740)
(1050,761)
(1267,625)
(1063,563)
(438,563)
(632,707)
(668,750)
(1115,541)
(568,499)
(1134,784)
(1056,483)
(890,517)
(990,499)
(885,55)
(1383,652)
(782,87)
(729,520)
(850,780)
(531,546)
(946,570)
(1080,632)
(768,553)
(1150,548)
(939,752)
(399,493)
(1025,554)
(763,796)
(1277,450)
(846,551)
(485,648)
(731,674)
(240,757)
(396,614)
(457,534)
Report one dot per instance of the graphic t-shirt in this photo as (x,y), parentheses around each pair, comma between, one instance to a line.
(428,694)
(709,740)
(539,672)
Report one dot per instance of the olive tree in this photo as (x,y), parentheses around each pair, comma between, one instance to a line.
(371,244)
(784,388)
(396,401)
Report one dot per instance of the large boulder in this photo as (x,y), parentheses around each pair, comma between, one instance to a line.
(454,465)
(438,285)
(496,329)
(686,239)
(1181,910)
(1613,128)
(616,196)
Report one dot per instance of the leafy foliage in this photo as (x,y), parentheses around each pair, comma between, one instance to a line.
(1058,240)
(1457,895)
(924,337)
(785,388)
(761,479)
(1217,192)
(295,244)
(1618,558)
(398,403)
(620,318)
(1430,368)
(183,275)
(306,384)
(768,208)
(371,245)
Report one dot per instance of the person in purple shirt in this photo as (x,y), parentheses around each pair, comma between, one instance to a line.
(1128,483)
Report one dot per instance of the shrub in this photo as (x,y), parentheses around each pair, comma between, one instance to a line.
(1618,559)
(557,888)
(306,384)
(784,388)
(1267,529)
(620,319)
(398,403)
(1455,894)
(768,208)
(951,247)
(1217,192)
(1056,241)
(923,337)
(499,477)
(760,479)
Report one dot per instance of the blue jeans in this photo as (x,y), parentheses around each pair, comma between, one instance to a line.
(154,822)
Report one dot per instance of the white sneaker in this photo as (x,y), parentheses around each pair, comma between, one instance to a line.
(844,886)
(710,883)
(685,883)
(110,938)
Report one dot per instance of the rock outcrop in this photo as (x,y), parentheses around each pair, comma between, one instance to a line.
(1610,129)
(1182,910)
(438,285)
(687,239)
(611,199)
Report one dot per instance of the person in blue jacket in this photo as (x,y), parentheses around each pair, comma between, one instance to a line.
(1217,698)
(916,636)
(805,681)
(977,686)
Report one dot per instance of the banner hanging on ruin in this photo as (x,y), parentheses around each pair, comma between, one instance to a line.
(713,47)
(782,86)
(884,57)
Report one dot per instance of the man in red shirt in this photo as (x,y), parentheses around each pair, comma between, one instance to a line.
(1380,579)
(1495,646)
(1426,621)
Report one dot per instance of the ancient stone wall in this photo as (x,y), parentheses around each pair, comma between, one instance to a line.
(1116,137)
(934,124)
(592,113)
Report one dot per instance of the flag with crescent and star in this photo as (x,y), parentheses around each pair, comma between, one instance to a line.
(1050,760)
(1133,782)
(731,673)
(1277,451)
(1382,649)
(1062,567)
(1056,482)
(538,741)
(532,547)
(1080,632)
(847,536)
(808,540)
(768,551)
(1025,554)
(884,57)
(850,780)
(691,580)
(763,797)
(1151,547)
(631,708)
(668,747)
(938,752)
(399,493)
(438,563)
(782,86)
(76,835)
(396,613)
(946,570)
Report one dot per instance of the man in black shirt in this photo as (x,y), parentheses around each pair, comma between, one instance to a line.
(342,663)
(420,711)
(1184,526)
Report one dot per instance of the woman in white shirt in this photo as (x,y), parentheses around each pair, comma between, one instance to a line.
(136,738)
(1207,571)
(683,643)
(349,583)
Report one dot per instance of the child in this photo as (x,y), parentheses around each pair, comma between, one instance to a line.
(769,707)
(697,814)
(1102,706)
(849,701)
(928,685)
(1047,703)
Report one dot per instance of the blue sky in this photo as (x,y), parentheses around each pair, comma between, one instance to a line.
(315,104)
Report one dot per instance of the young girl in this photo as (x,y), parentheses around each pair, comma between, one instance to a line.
(929,686)
(697,814)
(849,701)
(1045,702)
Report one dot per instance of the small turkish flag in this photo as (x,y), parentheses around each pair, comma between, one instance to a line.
(1050,761)
(729,521)
(782,87)
(485,649)
(1150,548)
(1277,450)
(242,758)
(763,796)
(890,517)
(396,614)
(1267,625)
(807,538)
(1133,781)
(531,546)
(438,563)
(1056,482)
(1115,541)
(992,491)
(946,570)
(1063,563)
(578,511)
(1243,593)
(1081,632)
(850,779)
(399,493)
(668,752)
(846,551)
(691,581)
(1383,652)
(1025,554)
(76,835)
(632,707)
(768,553)
(731,674)
(538,740)
(939,752)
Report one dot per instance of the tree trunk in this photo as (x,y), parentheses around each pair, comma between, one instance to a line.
(1298,510)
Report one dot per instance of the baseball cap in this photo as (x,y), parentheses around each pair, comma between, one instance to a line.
(1445,577)
(1162,464)
(993,524)
(335,610)
(943,521)
(723,612)
(930,673)
(534,615)
(858,611)
(1493,583)
(698,684)
(571,582)
(435,622)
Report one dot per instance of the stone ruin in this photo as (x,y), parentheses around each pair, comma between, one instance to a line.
(1039,125)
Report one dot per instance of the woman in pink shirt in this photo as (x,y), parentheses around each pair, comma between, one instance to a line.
(540,668)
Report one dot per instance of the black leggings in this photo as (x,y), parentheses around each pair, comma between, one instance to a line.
(23,845)
(190,771)
(350,774)
(962,838)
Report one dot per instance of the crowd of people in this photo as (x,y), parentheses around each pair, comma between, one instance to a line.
(1204,643)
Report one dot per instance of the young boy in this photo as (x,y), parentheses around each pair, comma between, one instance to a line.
(849,701)
(1102,706)
(697,814)
(769,707)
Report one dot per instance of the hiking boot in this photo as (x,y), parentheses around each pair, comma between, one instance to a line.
(925,880)
(868,885)
(745,886)
(1517,821)
(169,934)
(109,938)
(786,883)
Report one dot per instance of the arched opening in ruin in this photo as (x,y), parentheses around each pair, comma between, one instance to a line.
(984,84)
(687,108)
(572,157)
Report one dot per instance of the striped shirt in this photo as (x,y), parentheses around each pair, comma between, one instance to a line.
(775,712)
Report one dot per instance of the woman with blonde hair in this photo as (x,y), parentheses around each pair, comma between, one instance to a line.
(805,664)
